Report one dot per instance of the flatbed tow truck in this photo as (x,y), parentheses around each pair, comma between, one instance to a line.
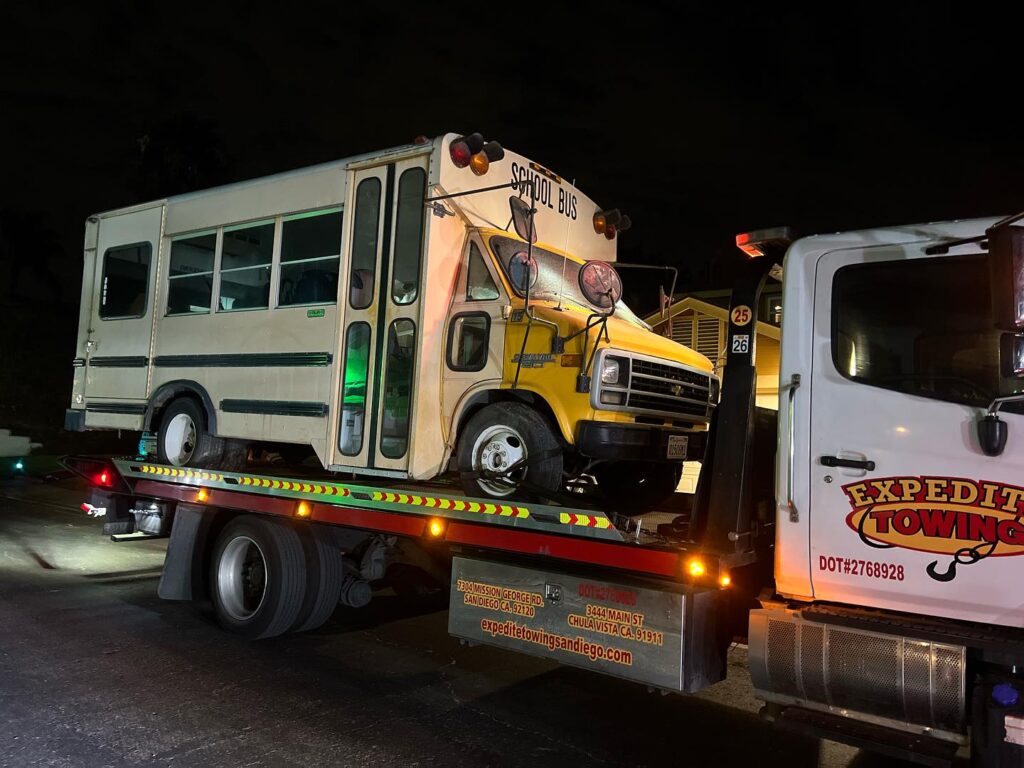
(851,540)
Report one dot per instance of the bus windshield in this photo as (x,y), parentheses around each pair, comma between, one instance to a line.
(554,277)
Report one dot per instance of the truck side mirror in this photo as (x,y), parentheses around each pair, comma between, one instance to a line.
(992,434)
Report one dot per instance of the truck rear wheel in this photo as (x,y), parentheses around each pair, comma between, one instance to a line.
(635,487)
(258,577)
(324,578)
(509,436)
(183,439)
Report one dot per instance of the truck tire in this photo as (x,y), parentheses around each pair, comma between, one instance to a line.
(500,435)
(183,439)
(258,577)
(324,578)
(635,487)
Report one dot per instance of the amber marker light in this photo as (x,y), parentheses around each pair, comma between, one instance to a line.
(479,163)
(695,567)
(303,509)
(725,580)
(436,527)
(203,495)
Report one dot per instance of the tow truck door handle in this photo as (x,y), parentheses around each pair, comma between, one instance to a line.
(835,461)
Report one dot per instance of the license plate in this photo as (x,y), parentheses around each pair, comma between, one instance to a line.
(677,446)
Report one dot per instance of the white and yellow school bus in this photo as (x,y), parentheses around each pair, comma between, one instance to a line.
(382,310)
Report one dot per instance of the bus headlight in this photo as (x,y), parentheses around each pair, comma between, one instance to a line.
(614,370)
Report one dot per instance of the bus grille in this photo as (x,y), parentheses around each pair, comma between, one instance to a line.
(668,389)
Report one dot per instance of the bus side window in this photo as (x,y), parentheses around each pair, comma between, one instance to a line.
(310,252)
(125,281)
(190,276)
(480,285)
(246,256)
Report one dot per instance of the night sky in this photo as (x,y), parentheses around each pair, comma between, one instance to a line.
(697,123)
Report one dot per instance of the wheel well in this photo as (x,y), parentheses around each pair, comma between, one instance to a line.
(483,399)
(170,392)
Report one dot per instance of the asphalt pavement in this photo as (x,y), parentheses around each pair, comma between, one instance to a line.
(95,670)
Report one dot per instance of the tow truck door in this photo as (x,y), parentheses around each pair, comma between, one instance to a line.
(906,512)
(383,292)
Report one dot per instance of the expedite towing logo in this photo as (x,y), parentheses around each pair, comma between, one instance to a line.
(966,520)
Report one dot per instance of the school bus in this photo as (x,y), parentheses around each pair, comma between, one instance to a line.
(384,311)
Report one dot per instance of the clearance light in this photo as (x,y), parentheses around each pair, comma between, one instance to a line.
(303,509)
(611,222)
(725,580)
(436,527)
(103,478)
(759,242)
(696,568)
(202,495)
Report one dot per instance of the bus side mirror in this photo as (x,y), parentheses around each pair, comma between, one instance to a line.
(522,219)
(1006,272)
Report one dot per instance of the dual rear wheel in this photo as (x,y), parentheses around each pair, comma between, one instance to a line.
(268,577)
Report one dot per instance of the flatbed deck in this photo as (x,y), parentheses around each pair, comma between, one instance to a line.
(581,535)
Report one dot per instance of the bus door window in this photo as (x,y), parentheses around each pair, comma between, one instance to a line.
(365,228)
(398,372)
(353,394)
(405,283)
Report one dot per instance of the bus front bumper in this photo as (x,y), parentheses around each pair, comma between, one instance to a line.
(611,441)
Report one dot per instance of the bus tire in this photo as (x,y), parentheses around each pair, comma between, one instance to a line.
(635,487)
(324,578)
(183,439)
(499,435)
(258,577)
(235,455)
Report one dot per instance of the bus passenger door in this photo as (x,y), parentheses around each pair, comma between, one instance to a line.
(383,293)
(116,342)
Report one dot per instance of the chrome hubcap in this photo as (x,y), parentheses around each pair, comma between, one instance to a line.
(242,578)
(495,450)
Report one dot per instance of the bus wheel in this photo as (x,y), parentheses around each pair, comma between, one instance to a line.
(501,436)
(258,578)
(635,487)
(182,439)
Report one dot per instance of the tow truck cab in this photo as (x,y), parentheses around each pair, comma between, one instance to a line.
(898,536)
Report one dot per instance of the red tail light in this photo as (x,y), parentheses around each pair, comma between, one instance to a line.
(99,472)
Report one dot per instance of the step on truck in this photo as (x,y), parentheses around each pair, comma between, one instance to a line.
(866,540)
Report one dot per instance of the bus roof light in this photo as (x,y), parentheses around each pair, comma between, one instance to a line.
(464,147)
(600,222)
(479,163)
(609,231)
(494,151)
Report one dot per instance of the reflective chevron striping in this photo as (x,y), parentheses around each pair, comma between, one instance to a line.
(587,521)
